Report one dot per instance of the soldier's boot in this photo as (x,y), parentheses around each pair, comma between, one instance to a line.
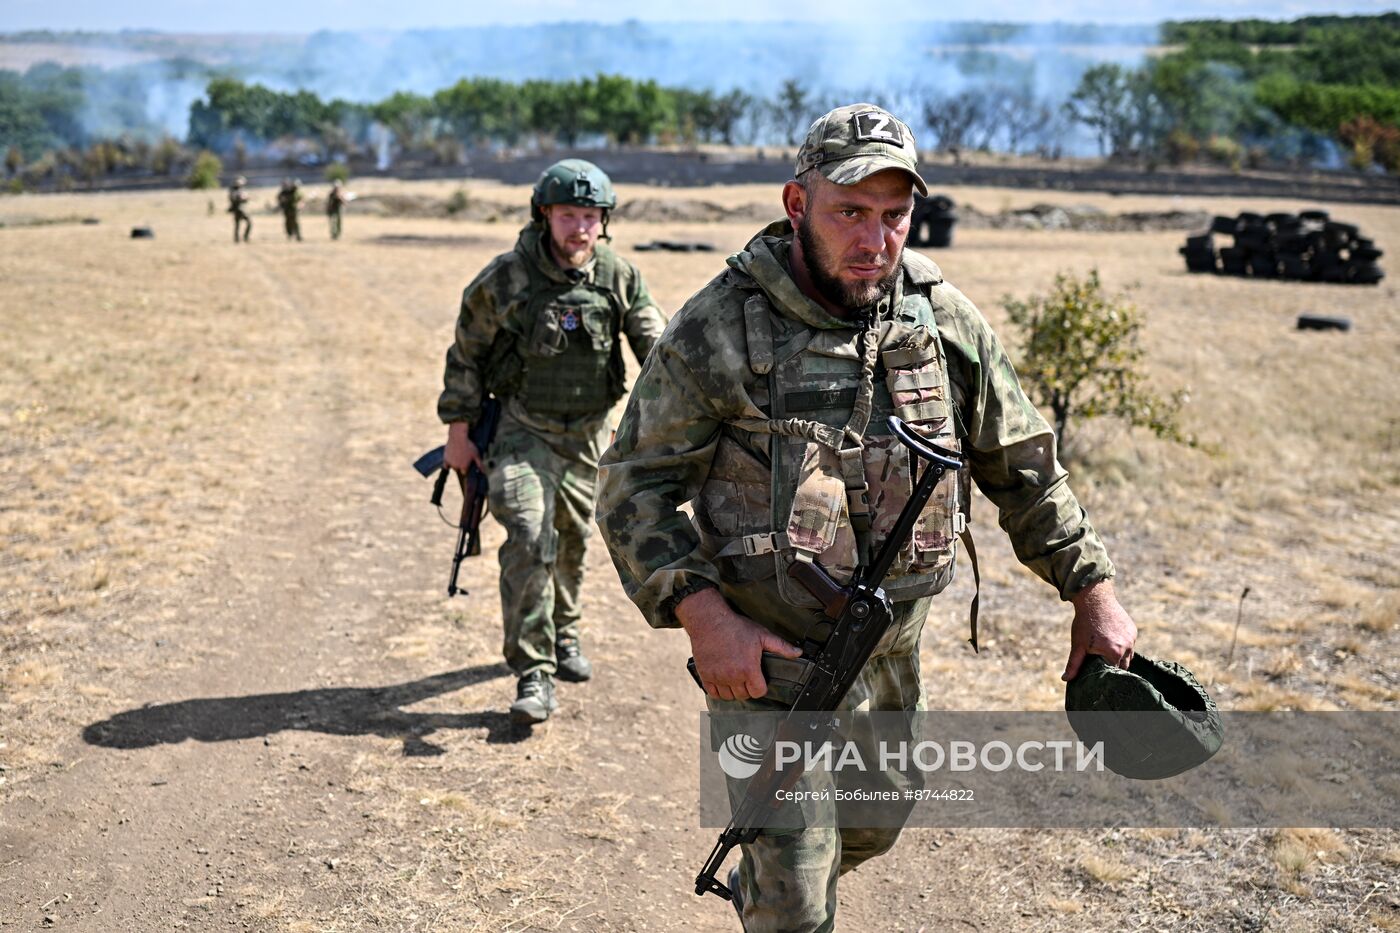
(534,699)
(572,665)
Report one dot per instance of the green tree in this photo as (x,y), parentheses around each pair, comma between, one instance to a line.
(206,171)
(729,110)
(792,110)
(1081,358)
(409,117)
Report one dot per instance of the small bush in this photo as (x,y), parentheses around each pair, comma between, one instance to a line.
(1225,151)
(1081,359)
(338,171)
(1182,147)
(206,171)
(458,201)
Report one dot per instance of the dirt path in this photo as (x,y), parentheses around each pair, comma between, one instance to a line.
(246,704)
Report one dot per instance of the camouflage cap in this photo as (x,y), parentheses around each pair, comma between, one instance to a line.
(854,142)
(1154,719)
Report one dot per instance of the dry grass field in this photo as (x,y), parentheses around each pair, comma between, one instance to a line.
(234,696)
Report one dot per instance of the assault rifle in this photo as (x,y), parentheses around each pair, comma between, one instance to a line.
(858,615)
(474,489)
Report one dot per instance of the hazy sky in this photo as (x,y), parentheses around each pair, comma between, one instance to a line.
(310,15)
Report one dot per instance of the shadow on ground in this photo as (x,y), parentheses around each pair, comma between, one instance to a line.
(333,710)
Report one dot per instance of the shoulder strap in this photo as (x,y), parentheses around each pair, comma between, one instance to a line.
(758,329)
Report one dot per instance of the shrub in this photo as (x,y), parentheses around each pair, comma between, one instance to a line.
(1081,358)
(206,171)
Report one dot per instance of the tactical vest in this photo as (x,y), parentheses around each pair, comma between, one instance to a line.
(837,477)
(563,357)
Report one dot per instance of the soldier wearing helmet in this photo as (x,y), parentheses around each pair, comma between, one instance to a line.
(541,329)
(238,207)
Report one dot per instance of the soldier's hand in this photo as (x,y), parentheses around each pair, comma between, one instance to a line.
(460,453)
(1101,626)
(727,647)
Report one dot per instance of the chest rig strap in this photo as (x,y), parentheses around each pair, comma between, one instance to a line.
(846,442)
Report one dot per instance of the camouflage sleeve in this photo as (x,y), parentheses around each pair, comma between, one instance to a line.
(477,324)
(1012,454)
(644,320)
(665,443)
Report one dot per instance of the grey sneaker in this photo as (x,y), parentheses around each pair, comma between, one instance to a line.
(534,699)
(570,663)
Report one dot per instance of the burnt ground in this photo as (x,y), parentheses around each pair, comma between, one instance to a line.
(718,166)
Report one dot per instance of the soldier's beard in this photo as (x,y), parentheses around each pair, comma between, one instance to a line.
(573,257)
(851,296)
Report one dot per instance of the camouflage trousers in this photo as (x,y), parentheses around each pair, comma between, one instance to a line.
(787,878)
(542,492)
(335,224)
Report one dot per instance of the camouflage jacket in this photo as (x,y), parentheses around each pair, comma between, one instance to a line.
(491,323)
(689,415)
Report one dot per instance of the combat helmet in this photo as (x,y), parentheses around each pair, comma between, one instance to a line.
(1155,720)
(573,181)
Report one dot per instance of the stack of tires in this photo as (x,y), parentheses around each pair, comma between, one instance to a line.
(932,222)
(1308,247)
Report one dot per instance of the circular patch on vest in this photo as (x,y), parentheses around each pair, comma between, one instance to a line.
(569,319)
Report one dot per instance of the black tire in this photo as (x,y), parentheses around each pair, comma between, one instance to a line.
(1224,225)
(1365,273)
(1234,262)
(1200,260)
(1203,242)
(142,233)
(940,232)
(1293,267)
(1263,265)
(1366,255)
(1318,217)
(1331,272)
(1323,322)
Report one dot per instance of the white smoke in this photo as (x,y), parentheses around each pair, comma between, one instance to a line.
(902,65)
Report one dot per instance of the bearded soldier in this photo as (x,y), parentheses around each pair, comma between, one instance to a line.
(764,406)
(238,207)
(541,329)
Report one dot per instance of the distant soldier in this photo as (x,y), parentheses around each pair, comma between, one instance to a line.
(541,328)
(237,206)
(289,200)
(335,202)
